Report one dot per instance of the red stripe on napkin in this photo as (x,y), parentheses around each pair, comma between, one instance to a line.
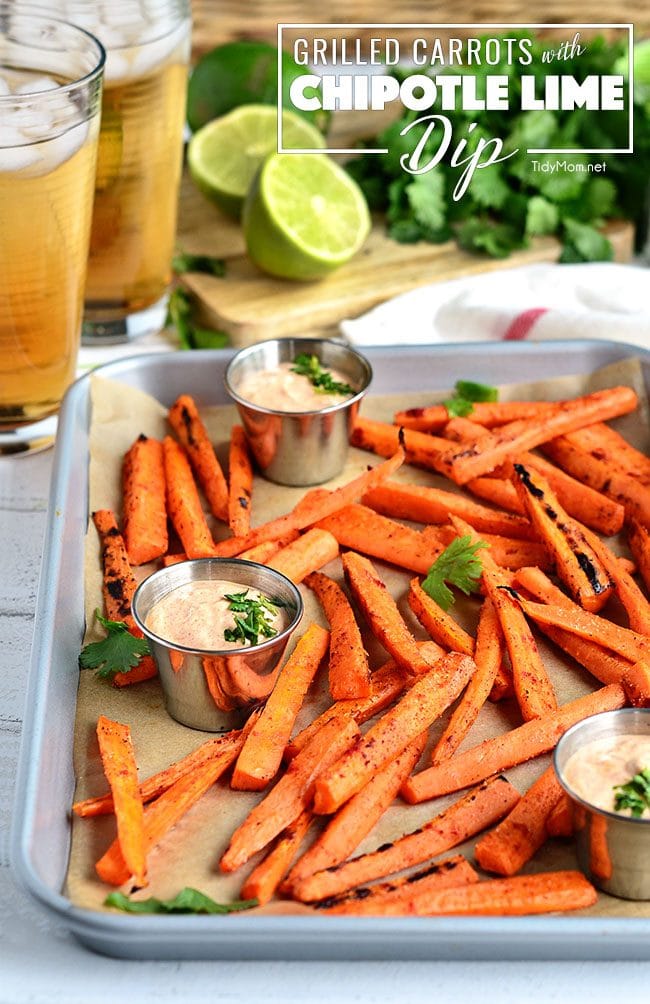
(520,327)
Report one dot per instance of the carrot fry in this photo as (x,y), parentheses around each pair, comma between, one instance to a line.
(173,559)
(492,756)
(143,492)
(475,811)
(381,612)
(386,684)
(420,448)
(488,414)
(291,795)
(262,552)
(357,817)
(622,488)
(349,672)
(304,555)
(367,531)
(119,584)
(432,505)
(631,597)
(161,815)
(560,819)
(600,863)
(506,552)
(145,670)
(577,561)
(240,483)
(440,625)
(183,503)
(499,491)
(506,849)
(533,689)
(188,426)
(547,892)
(396,729)
(473,460)
(154,786)
(261,756)
(639,541)
(397,898)
(118,760)
(605,444)
(488,655)
(502,688)
(636,680)
(267,876)
(629,644)
(314,506)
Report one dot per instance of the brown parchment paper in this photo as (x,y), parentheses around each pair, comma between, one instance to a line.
(189,855)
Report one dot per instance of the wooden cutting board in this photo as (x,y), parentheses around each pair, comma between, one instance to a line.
(251,306)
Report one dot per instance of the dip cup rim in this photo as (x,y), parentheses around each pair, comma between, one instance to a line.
(262,409)
(281,636)
(608,813)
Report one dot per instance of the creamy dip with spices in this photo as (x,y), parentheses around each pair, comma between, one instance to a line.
(283,390)
(594,770)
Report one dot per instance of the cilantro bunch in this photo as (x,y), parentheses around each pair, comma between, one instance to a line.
(509,203)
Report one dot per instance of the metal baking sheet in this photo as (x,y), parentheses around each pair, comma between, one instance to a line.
(41,834)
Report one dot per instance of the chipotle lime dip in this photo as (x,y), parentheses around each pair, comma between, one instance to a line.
(595,770)
(198,615)
(282,389)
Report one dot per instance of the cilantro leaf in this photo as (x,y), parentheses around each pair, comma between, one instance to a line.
(258,615)
(426,198)
(466,392)
(495,239)
(118,652)
(458,565)
(541,216)
(459,407)
(183,262)
(584,243)
(188,900)
(191,336)
(635,794)
(319,378)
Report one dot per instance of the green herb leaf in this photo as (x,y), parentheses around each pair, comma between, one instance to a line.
(188,900)
(118,652)
(257,619)
(585,244)
(322,380)
(466,392)
(635,794)
(190,335)
(457,565)
(458,407)
(184,262)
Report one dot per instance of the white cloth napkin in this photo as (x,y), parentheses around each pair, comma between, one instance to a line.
(598,300)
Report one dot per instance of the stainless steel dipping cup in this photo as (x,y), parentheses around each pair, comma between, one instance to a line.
(216,690)
(613,850)
(306,447)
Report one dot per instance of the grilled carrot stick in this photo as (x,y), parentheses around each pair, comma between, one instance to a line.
(420,448)
(268,874)
(559,822)
(440,625)
(635,604)
(307,553)
(119,583)
(639,541)
(349,671)
(478,809)
(365,530)
(118,760)
(240,483)
(183,503)
(263,552)
(492,756)
(486,413)
(143,492)
(499,491)
(569,546)
(636,680)
(607,445)
(505,551)
(188,426)
(629,644)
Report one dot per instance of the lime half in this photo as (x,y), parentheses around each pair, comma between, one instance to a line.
(304,216)
(225,155)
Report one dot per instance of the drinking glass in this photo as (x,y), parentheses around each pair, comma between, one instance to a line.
(147,46)
(50,96)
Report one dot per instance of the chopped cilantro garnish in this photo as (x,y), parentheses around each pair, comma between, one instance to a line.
(118,652)
(188,900)
(322,380)
(635,794)
(466,393)
(457,565)
(257,619)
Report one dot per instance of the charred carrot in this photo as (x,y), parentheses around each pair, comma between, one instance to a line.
(263,881)
(396,729)
(629,644)
(263,552)
(118,585)
(559,822)
(420,448)
(145,670)
(261,756)
(478,809)
(486,413)
(505,551)
(365,530)
(488,655)
(381,612)
(186,422)
(118,761)
(636,605)
(183,503)
(440,625)
(492,756)
(240,483)
(636,680)
(349,672)
(310,551)
(291,795)
(506,849)
(639,541)
(608,446)
(144,508)
(499,491)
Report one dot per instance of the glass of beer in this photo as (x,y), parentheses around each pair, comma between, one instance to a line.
(147,46)
(50,97)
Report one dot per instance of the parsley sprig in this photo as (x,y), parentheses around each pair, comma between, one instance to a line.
(635,794)
(118,652)
(458,565)
(257,619)
(322,380)
(183,262)
(188,900)
(466,394)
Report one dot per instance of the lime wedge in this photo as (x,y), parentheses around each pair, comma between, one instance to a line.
(304,216)
(225,155)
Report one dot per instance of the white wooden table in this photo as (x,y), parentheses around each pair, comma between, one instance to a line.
(40,962)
